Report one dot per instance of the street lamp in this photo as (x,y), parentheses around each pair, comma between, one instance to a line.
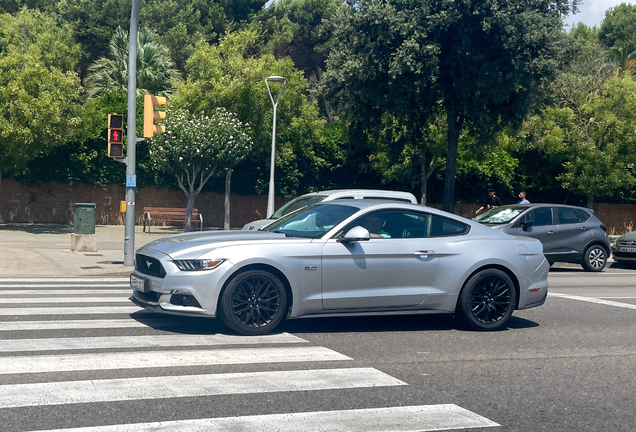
(270,196)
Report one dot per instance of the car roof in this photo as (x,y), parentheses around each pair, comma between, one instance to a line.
(533,205)
(333,192)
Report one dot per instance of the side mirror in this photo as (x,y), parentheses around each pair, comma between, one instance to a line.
(526,225)
(355,234)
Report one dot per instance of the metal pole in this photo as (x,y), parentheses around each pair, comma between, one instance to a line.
(129,236)
(270,196)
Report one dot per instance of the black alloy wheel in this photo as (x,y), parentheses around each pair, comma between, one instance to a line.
(487,300)
(594,258)
(253,302)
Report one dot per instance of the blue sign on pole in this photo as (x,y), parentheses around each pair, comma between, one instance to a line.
(131,181)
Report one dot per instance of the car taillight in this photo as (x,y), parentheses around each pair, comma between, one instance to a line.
(603,227)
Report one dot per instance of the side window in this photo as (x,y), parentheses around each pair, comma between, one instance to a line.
(583,215)
(541,216)
(394,224)
(444,227)
(343,198)
(568,215)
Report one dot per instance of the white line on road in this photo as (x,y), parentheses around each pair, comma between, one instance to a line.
(79,324)
(83,343)
(594,300)
(12,243)
(69,310)
(65,292)
(93,280)
(30,300)
(586,274)
(423,418)
(165,387)
(155,359)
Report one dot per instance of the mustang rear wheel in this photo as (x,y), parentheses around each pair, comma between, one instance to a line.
(487,300)
(594,258)
(253,303)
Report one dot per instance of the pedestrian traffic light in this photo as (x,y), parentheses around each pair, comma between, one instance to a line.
(150,115)
(115,135)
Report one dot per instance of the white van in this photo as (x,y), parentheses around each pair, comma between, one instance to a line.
(332,195)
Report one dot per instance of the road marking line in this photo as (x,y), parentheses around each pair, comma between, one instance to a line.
(48,287)
(94,280)
(12,243)
(423,418)
(69,310)
(166,387)
(617,297)
(84,343)
(82,324)
(156,359)
(65,292)
(585,274)
(30,300)
(594,300)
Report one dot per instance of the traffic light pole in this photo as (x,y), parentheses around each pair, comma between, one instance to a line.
(131,183)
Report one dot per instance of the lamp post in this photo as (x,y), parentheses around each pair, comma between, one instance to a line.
(270,195)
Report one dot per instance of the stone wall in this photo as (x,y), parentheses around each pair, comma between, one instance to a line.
(53,203)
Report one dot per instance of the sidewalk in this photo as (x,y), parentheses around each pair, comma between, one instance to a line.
(44,250)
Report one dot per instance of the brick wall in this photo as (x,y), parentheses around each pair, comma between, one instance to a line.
(53,203)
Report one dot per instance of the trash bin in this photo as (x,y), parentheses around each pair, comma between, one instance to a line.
(84,218)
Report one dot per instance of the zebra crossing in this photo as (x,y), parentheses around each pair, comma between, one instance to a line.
(71,346)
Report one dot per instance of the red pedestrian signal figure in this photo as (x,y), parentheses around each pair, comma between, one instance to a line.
(115,135)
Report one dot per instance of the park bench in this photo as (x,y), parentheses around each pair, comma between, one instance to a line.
(168,214)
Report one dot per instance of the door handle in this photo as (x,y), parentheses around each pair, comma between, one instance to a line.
(424,253)
(583,228)
(550,232)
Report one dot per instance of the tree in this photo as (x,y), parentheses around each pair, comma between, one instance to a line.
(196,147)
(156,72)
(590,132)
(40,94)
(232,75)
(617,29)
(483,62)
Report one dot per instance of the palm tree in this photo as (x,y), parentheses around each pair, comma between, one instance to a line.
(156,72)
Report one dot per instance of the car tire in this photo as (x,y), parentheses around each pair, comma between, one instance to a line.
(253,303)
(594,258)
(487,300)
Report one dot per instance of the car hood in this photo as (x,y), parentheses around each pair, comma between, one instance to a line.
(201,242)
(257,224)
(628,236)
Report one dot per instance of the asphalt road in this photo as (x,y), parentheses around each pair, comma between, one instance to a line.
(566,366)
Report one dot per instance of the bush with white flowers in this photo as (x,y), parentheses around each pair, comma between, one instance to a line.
(196,147)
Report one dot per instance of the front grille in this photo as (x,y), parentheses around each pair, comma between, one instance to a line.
(627,242)
(149,265)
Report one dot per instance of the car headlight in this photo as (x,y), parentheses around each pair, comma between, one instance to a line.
(198,264)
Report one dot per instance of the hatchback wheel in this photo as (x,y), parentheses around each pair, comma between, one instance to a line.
(253,303)
(594,258)
(487,300)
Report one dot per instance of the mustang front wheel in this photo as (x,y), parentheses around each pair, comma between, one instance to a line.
(253,303)
(487,300)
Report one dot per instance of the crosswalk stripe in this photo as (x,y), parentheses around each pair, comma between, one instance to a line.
(29,300)
(4,293)
(48,289)
(94,280)
(83,324)
(155,359)
(165,387)
(69,310)
(83,343)
(423,418)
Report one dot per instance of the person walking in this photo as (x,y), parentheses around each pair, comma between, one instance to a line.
(522,198)
(492,202)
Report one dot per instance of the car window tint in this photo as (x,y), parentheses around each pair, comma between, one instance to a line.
(583,215)
(568,216)
(540,216)
(394,224)
(443,227)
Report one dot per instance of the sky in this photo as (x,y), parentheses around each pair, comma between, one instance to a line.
(592,12)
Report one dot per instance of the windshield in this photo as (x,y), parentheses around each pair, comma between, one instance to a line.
(312,221)
(297,203)
(500,215)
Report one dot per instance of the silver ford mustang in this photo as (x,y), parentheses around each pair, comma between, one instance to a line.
(344,258)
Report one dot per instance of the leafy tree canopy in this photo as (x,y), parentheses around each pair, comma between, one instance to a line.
(40,95)
(617,29)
